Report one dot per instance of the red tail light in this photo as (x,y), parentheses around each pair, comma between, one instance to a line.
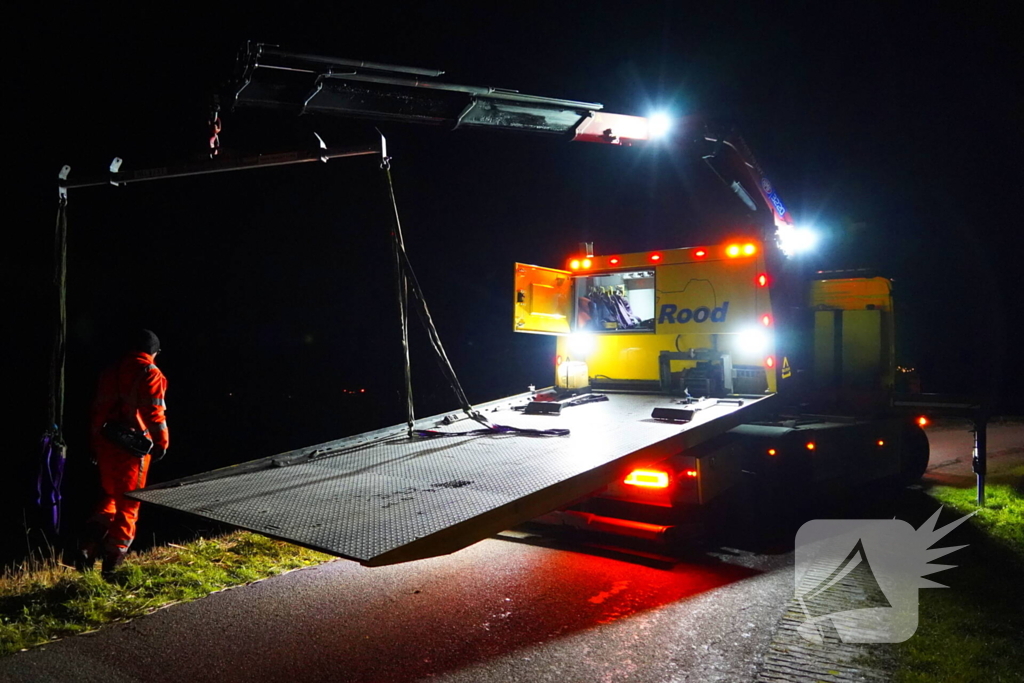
(922,421)
(772,451)
(769,361)
(762,280)
(766,320)
(558,360)
(655,257)
(700,253)
(810,445)
(614,260)
(651,479)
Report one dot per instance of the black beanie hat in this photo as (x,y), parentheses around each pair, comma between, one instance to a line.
(145,341)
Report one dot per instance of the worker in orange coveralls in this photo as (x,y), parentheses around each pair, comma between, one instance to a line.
(131,396)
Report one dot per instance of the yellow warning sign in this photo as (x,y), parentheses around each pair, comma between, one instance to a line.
(786,372)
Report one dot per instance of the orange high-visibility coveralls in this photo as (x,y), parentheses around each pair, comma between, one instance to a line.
(132,393)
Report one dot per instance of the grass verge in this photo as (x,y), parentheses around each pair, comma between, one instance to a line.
(972,630)
(48,600)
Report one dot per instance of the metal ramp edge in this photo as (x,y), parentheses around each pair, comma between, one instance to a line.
(381,498)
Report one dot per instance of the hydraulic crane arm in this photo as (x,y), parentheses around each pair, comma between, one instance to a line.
(269,77)
(272,78)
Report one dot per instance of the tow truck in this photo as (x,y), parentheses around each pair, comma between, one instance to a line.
(677,372)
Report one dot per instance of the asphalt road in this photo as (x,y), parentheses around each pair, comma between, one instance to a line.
(507,609)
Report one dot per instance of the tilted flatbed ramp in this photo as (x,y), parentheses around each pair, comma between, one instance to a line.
(383,498)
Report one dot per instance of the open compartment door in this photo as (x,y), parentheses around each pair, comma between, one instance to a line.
(543,300)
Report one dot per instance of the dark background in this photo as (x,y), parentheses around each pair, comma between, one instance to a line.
(895,132)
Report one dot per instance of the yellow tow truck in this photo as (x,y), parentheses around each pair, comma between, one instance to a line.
(679,374)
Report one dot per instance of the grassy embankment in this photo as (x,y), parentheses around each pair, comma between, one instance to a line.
(46,600)
(972,631)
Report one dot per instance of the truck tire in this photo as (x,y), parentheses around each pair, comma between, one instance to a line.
(914,454)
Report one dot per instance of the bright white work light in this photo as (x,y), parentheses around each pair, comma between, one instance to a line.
(793,240)
(659,124)
(752,341)
(581,343)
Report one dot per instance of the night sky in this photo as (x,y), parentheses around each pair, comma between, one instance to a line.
(894,132)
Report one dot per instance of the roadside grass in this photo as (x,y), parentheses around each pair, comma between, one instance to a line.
(972,630)
(46,600)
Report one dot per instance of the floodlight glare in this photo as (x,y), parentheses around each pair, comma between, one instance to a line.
(581,343)
(751,341)
(658,125)
(793,240)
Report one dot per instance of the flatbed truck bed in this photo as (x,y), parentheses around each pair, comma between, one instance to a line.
(383,497)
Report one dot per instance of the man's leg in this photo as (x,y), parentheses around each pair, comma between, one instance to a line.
(127,473)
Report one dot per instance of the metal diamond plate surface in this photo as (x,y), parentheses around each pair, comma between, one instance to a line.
(383,498)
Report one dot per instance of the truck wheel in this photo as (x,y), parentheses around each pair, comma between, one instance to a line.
(914,454)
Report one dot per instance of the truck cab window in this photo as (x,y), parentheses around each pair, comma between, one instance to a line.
(615,302)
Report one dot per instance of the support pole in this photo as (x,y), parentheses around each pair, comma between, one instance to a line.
(980,459)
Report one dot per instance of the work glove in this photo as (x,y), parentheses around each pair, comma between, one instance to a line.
(158,453)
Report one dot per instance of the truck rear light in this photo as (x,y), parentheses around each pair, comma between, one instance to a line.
(651,479)
(770,361)
(766,320)
(880,442)
(749,249)
(691,473)
(700,253)
(574,264)
(655,257)
(772,451)
(762,280)
(558,360)
(587,263)
(614,260)
(922,421)
(810,445)
(732,251)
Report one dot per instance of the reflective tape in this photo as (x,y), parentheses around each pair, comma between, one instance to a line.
(161,426)
(159,402)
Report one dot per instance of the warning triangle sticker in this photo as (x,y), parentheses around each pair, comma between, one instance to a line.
(786,372)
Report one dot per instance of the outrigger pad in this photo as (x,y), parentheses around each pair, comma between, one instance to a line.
(382,498)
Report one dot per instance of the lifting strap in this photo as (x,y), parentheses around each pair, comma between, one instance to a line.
(406,282)
(53,451)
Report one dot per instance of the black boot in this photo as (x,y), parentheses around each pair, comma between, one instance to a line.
(90,546)
(112,559)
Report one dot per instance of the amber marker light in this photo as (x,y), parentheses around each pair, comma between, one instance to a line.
(574,264)
(691,473)
(922,421)
(880,442)
(732,251)
(810,445)
(749,249)
(772,451)
(587,263)
(651,479)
